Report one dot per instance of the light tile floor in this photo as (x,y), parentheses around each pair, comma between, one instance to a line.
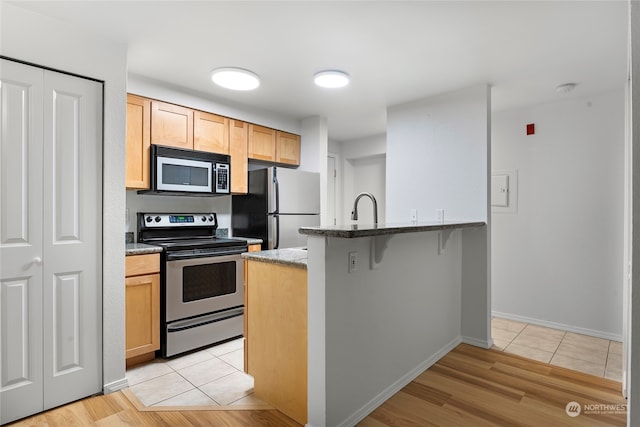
(595,356)
(210,377)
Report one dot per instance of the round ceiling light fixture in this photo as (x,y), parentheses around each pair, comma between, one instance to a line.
(235,78)
(331,79)
(566,88)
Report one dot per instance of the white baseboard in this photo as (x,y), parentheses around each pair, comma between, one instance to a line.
(561,326)
(115,386)
(478,343)
(370,406)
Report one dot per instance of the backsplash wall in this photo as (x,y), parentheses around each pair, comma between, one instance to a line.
(221,205)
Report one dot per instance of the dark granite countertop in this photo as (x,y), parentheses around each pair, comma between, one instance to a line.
(294,257)
(350,231)
(141,249)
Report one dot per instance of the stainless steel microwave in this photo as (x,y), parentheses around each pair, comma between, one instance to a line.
(188,172)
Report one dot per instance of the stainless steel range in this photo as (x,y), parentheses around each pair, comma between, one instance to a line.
(202,280)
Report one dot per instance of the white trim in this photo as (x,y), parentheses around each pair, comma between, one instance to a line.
(512,192)
(115,386)
(561,326)
(386,394)
(478,343)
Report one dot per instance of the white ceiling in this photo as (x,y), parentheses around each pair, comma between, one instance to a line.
(394,51)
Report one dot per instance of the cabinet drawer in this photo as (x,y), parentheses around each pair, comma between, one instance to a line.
(142,264)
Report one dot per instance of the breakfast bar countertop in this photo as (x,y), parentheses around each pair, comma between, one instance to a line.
(350,231)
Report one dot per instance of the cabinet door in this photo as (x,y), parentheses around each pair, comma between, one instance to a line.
(210,132)
(262,143)
(142,314)
(287,148)
(138,141)
(277,336)
(171,125)
(21,382)
(238,146)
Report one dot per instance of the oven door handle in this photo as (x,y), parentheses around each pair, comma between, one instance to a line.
(176,256)
(181,325)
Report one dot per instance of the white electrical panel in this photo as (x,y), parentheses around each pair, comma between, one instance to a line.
(500,190)
(504,191)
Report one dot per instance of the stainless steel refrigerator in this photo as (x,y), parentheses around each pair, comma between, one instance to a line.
(278,203)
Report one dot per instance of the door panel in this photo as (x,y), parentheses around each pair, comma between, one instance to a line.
(66,165)
(66,324)
(21,89)
(72,238)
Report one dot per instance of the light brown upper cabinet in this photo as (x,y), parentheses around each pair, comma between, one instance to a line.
(238,145)
(273,146)
(171,125)
(287,148)
(262,143)
(138,142)
(210,133)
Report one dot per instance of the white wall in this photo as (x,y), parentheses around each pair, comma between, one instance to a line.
(366,175)
(48,42)
(221,205)
(363,166)
(633,414)
(335,152)
(313,155)
(379,328)
(438,156)
(558,259)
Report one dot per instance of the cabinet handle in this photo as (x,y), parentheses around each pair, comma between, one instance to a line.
(37,260)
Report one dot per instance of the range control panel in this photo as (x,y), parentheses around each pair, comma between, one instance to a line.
(178,220)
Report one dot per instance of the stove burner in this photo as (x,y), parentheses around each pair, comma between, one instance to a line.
(184,232)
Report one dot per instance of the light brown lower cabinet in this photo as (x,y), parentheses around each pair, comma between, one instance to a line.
(142,301)
(276,335)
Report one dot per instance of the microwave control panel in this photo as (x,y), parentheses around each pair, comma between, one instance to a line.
(222,178)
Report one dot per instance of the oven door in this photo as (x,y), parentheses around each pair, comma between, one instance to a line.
(196,286)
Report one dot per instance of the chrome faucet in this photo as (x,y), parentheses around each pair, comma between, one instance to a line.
(354,212)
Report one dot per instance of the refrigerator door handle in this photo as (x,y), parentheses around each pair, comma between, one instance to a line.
(277,193)
(277,231)
(274,197)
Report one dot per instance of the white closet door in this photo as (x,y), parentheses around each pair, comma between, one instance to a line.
(50,239)
(21,382)
(72,238)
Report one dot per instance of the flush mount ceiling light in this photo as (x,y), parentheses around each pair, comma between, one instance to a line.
(331,78)
(566,88)
(235,78)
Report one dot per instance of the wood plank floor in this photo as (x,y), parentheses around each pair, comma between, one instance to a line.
(468,387)
(475,387)
(123,409)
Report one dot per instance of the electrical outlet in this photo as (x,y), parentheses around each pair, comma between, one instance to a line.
(353,258)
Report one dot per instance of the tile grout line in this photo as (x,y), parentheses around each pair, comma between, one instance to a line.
(562,339)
